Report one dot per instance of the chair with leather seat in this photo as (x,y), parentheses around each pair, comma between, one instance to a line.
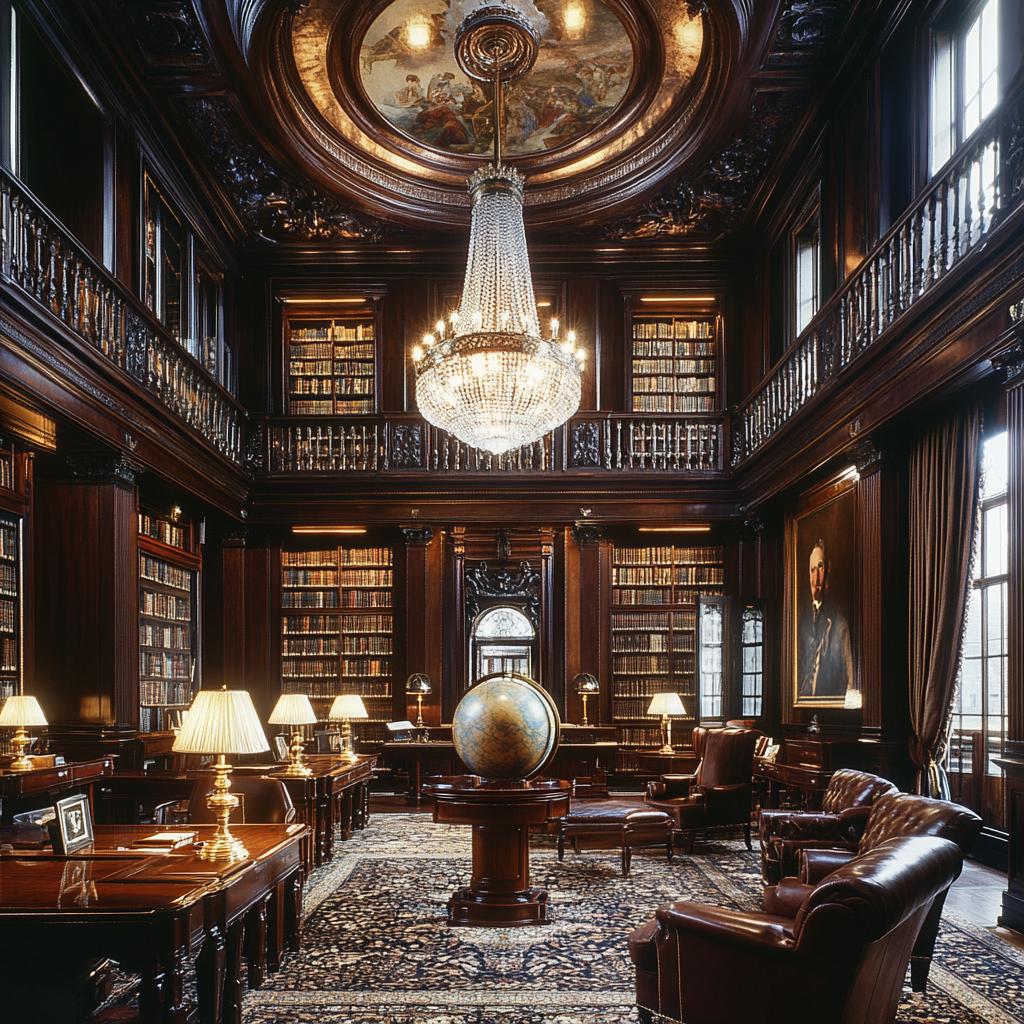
(718,793)
(841,960)
(844,813)
(260,801)
(895,815)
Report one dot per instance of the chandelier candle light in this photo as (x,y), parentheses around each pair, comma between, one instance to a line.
(488,377)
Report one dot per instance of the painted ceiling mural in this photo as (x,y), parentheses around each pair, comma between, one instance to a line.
(408,70)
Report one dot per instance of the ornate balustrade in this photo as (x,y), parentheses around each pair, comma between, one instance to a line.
(599,442)
(41,259)
(961,208)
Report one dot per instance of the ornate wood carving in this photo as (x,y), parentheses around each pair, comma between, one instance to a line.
(407,446)
(586,444)
(417,536)
(587,534)
(167,32)
(521,586)
(805,28)
(277,206)
(101,465)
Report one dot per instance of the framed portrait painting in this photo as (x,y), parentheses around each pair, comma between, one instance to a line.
(822,555)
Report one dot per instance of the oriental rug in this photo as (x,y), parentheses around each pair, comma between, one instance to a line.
(377,948)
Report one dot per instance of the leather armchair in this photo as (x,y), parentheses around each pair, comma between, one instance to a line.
(260,801)
(894,815)
(842,959)
(844,813)
(718,793)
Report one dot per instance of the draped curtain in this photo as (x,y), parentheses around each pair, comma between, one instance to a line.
(943,512)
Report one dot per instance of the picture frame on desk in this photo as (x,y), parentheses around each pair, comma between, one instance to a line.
(281,747)
(71,830)
(821,560)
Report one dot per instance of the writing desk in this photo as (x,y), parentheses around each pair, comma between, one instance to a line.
(149,911)
(36,787)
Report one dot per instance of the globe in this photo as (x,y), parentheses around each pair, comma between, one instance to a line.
(505,727)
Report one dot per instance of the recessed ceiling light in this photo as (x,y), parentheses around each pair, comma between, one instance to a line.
(677,298)
(328,529)
(689,528)
(325,302)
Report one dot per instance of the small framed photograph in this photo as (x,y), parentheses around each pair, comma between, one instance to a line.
(72,828)
(281,745)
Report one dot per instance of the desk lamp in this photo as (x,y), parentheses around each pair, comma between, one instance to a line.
(419,684)
(21,711)
(666,704)
(347,706)
(294,709)
(585,685)
(221,722)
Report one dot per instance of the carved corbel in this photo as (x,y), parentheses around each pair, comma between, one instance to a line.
(587,534)
(867,457)
(417,536)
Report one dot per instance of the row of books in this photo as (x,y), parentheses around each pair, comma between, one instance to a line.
(315,559)
(359,644)
(165,606)
(633,643)
(648,687)
(366,556)
(311,645)
(640,737)
(312,408)
(311,368)
(366,623)
(158,719)
(311,386)
(353,385)
(632,707)
(366,666)
(366,599)
(8,541)
(691,555)
(696,575)
(309,577)
(161,572)
(674,365)
(376,690)
(8,580)
(310,624)
(170,637)
(152,691)
(672,328)
(292,668)
(7,470)
(648,621)
(366,577)
(309,599)
(317,347)
(659,576)
(354,407)
(649,664)
(674,385)
(354,367)
(8,654)
(325,687)
(162,530)
(683,349)
(679,595)
(672,403)
(166,666)
(358,332)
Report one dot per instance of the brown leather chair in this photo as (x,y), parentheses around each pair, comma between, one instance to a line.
(844,813)
(718,794)
(260,801)
(842,960)
(894,815)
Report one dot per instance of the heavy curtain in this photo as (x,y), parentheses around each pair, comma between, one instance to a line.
(943,512)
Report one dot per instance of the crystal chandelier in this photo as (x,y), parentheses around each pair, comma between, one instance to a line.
(488,377)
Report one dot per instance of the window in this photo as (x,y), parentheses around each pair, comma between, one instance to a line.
(503,640)
(965,82)
(712,659)
(165,260)
(752,662)
(980,717)
(807,267)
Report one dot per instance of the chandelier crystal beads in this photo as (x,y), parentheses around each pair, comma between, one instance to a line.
(494,382)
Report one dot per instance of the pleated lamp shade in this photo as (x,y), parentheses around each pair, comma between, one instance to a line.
(22,710)
(666,704)
(347,706)
(221,722)
(292,709)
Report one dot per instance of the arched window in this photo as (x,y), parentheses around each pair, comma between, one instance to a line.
(502,641)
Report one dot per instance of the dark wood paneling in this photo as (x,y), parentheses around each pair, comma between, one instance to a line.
(1015,609)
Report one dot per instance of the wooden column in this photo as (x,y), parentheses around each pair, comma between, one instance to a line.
(1015,598)
(422,626)
(588,595)
(87,604)
(454,672)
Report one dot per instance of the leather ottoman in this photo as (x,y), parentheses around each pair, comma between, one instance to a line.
(606,824)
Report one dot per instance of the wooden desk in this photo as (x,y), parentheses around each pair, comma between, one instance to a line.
(654,762)
(28,790)
(774,778)
(149,911)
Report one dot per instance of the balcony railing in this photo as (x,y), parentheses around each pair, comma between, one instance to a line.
(40,257)
(949,222)
(598,442)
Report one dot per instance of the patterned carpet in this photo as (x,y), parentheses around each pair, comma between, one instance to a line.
(377,947)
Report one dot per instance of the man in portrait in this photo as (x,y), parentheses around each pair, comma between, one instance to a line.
(825,655)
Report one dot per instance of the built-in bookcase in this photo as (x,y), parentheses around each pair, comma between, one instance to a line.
(673,363)
(168,619)
(331,361)
(337,631)
(10,606)
(655,592)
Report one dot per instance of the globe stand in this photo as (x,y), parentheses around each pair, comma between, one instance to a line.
(500,813)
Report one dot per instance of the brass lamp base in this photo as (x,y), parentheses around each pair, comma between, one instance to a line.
(584,696)
(21,763)
(296,769)
(348,753)
(419,710)
(223,845)
(666,724)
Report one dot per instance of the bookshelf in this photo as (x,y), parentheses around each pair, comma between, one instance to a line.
(673,363)
(337,631)
(331,360)
(10,606)
(655,593)
(168,601)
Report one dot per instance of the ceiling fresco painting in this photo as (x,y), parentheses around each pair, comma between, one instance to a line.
(409,73)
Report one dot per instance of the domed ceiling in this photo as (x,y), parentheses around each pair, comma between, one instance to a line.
(351,119)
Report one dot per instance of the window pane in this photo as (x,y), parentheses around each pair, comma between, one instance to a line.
(970,687)
(996,541)
(981,67)
(943,117)
(994,466)
(972,634)
(807,259)
(995,616)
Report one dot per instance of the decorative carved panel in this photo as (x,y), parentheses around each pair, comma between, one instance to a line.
(519,586)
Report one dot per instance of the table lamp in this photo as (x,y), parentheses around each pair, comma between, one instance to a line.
(294,709)
(585,685)
(221,722)
(419,684)
(347,706)
(21,710)
(666,704)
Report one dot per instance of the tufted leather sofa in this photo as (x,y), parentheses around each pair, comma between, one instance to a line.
(718,794)
(893,815)
(841,960)
(844,813)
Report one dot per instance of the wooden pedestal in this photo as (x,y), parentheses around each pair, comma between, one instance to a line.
(500,813)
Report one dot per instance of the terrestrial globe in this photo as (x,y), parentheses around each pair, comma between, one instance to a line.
(506,727)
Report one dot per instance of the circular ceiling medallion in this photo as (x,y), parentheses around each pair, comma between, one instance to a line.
(409,71)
